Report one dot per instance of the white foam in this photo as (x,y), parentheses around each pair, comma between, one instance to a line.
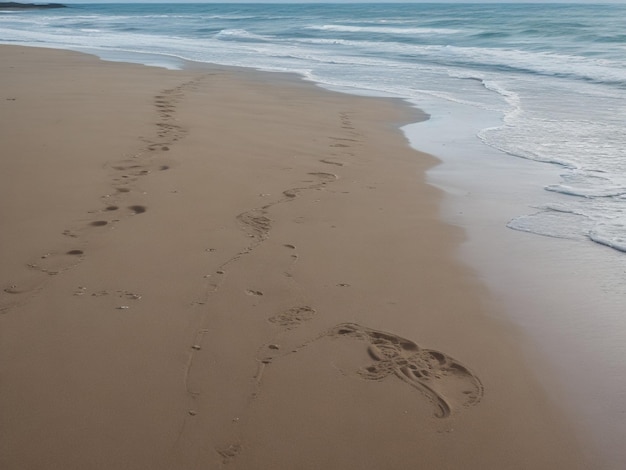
(239,34)
(382,30)
(611,235)
(555,224)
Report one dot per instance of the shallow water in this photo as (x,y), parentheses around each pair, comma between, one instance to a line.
(567,296)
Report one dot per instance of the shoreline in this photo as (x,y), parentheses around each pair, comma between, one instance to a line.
(562,294)
(226,266)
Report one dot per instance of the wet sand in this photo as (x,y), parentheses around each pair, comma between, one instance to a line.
(219,267)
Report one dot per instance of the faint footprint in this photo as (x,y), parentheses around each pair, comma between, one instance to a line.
(55,263)
(25,286)
(330,162)
(443,380)
(325,177)
(228,453)
(15,293)
(257,224)
(293,317)
(48,264)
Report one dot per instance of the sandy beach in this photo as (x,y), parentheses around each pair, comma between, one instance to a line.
(221,268)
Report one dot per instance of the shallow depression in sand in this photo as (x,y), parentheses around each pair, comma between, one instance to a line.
(138,209)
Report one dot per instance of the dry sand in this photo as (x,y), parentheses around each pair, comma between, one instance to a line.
(215,267)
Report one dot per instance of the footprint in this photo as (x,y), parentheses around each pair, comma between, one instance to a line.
(325,177)
(69,233)
(15,293)
(330,162)
(48,264)
(55,263)
(293,317)
(254,292)
(26,285)
(138,209)
(125,294)
(442,379)
(256,222)
(344,139)
(228,453)
(346,122)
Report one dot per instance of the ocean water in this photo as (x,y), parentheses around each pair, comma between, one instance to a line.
(527,108)
(552,77)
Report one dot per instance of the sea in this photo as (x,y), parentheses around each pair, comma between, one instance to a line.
(527,112)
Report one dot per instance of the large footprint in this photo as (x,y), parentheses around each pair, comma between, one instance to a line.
(442,379)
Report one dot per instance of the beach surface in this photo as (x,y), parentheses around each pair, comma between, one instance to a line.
(224,268)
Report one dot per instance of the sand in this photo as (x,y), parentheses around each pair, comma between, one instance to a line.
(222,268)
